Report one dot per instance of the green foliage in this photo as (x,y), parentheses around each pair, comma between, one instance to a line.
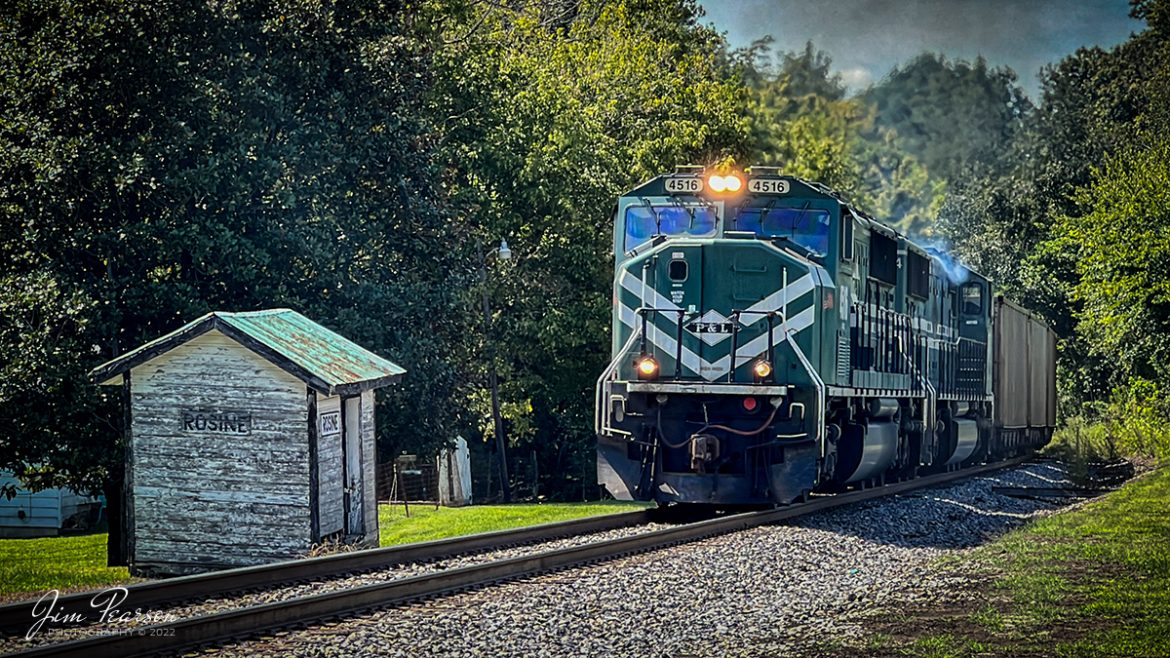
(29,567)
(896,186)
(42,333)
(1131,424)
(1123,259)
(161,160)
(808,74)
(1060,219)
(803,121)
(929,127)
(549,116)
(953,115)
(426,523)
(799,118)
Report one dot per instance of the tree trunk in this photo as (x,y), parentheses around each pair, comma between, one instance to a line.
(116,553)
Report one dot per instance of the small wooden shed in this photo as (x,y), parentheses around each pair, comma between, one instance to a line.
(250,438)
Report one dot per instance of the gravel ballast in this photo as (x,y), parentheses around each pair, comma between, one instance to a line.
(761,592)
(779,590)
(284,593)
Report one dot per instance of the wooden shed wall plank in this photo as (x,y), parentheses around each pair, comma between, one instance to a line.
(370,460)
(204,495)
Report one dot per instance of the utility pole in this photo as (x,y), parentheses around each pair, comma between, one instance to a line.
(503,253)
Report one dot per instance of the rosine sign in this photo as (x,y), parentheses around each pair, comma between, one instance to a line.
(216,422)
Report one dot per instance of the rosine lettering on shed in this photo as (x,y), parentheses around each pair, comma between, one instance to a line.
(251,438)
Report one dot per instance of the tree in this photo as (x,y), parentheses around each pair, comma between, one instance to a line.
(159,160)
(809,73)
(799,118)
(1123,264)
(549,112)
(951,115)
(1030,219)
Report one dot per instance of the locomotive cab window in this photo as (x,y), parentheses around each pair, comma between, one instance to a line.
(917,275)
(807,227)
(883,258)
(847,219)
(972,299)
(677,270)
(644,222)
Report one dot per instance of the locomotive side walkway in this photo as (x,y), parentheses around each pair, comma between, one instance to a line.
(1094,581)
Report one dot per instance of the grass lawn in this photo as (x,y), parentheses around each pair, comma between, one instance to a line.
(427,523)
(1090,582)
(64,563)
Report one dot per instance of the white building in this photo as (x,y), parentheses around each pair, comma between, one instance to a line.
(42,513)
(251,438)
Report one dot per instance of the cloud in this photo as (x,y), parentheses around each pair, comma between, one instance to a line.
(876,35)
(856,78)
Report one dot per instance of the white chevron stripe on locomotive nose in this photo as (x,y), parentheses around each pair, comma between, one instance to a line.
(649,296)
(659,338)
(795,290)
(744,353)
(663,341)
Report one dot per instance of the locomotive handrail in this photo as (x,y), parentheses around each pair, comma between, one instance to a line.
(928,411)
(820,386)
(735,315)
(644,312)
(600,424)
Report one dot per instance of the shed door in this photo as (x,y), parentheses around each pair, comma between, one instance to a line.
(330,467)
(352,445)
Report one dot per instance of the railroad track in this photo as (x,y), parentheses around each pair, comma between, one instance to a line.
(15,618)
(218,628)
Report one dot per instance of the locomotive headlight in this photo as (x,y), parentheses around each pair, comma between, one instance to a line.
(647,367)
(728,183)
(762,369)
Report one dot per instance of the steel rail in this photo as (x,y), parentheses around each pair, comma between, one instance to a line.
(16,618)
(196,632)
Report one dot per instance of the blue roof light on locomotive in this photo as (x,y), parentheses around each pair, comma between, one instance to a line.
(769,339)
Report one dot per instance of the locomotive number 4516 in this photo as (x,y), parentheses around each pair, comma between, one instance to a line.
(767,186)
(687,185)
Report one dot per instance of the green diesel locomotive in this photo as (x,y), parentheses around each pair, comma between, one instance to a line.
(770,340)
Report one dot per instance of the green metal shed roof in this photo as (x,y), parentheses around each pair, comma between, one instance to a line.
(323,359)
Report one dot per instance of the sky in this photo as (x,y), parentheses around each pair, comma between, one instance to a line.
(867,38)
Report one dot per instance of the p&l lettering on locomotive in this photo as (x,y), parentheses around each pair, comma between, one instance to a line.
(710,327)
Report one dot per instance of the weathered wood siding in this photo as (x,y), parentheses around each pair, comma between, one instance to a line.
(331,487)
(218,498)
(369,461)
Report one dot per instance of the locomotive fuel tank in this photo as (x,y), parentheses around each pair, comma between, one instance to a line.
(865,451)
(966,433)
